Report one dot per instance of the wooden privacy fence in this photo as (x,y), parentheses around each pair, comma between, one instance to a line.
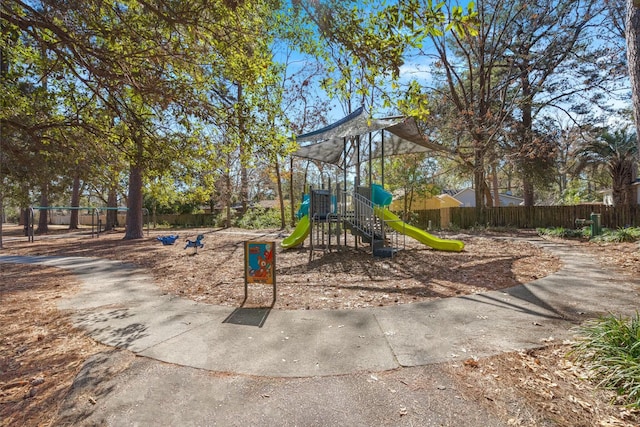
(507,216)
(526,216)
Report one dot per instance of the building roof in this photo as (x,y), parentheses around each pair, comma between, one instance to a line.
(445,197)
(503,196)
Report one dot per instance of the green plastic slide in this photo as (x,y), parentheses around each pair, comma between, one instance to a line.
(299,234)
(420,235)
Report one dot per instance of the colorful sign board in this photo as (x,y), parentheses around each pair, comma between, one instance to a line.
(260,264)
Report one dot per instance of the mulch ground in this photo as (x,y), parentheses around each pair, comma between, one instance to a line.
(337,278)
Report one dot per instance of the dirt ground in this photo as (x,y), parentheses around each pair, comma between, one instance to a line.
(40,352)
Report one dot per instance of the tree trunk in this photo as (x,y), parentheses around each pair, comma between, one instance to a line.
(135,225)
(75,203)
(410,203)
(478,178)
(244,185)
(135,220)
(622,188)
(227,192)
(617,192)
(632,28)
(283,221)
(112,214)
(479,183)
(212,204)
(43,221)
(405,204)
(1,213)
(4,69)
(488,198)
(526,140)
(496,189)
(244,177)
(527,191)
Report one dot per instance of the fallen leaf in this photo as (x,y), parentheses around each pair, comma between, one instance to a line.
(471,363)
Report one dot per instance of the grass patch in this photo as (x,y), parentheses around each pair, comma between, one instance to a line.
(610,348)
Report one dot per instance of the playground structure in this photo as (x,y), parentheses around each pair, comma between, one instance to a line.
(360,209)
(365,216)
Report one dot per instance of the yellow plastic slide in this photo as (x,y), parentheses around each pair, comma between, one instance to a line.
(418,234)
(299,234)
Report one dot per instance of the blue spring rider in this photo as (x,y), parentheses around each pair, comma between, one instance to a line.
(195,243)
(168,240)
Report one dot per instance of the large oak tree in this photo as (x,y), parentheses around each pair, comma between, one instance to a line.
(157,68)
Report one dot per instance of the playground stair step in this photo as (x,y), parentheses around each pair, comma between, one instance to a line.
(385,252)
(366,236)
(377,243)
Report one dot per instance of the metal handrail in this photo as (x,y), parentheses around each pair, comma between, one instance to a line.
(358,210)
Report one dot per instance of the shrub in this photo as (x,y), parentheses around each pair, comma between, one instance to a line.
(629,234)
(258,218)
(610,348)
(564,233)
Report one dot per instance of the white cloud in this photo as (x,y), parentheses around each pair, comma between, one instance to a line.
(419,69)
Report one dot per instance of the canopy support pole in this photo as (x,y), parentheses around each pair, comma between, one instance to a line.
(382,158)
(370,160)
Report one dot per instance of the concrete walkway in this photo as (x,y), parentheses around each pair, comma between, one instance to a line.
(119,306)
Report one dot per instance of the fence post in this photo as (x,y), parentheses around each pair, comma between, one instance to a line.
(445,218)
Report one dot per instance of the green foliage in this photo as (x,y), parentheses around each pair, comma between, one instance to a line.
(577,192)
(414,103)
(628,234)
(176,205)
(617,152)
(454,227)
(259,218)
(364,42)
(610,347)
(409,173)
(412,218)
(145,80)
(564,233)
(464,23)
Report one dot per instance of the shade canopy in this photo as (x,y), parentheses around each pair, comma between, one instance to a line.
(328,144)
